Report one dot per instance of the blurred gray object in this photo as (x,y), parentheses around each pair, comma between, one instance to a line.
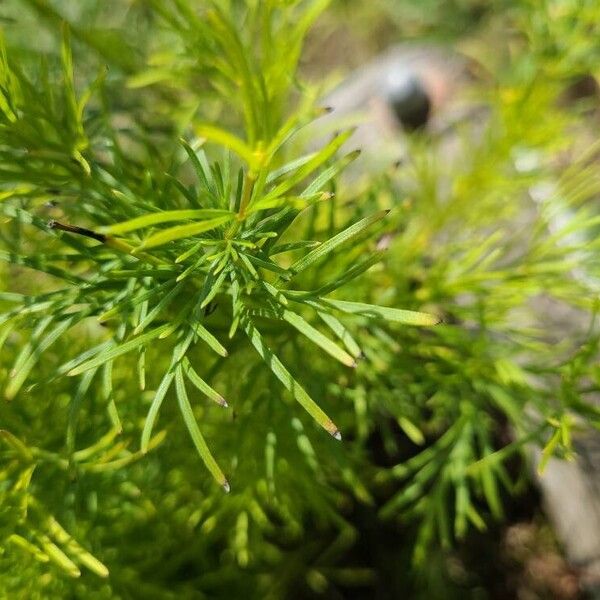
(409,83)
(419,88)
(409,88)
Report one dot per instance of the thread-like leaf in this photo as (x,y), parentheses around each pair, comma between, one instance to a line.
(289,167)
(318,183)
(20,373)
(196,435)
(75,550)
(348,275)
(114,353)
(297,202)
(182,231)
(199,383)
(39,263)
(289,382)
(17,445)
(213,289)
(130,301)
(395,315)
(290,247)
(66,367)
(157,401)
(166,216)
(341,238)
(268,264)
(32,549)
(342,333)
(208,338)
(75,406)
(164,302)
(200,163)
(58,557)
(315,336)
(314,163)
(227,139)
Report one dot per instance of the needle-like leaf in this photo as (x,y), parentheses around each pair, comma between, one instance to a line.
(395,315)
(341,238)
(315,336)
(112,354)
(197,381)
(27,361)
(182,231)
(288,381)
(156,218)
(207,337)
(196,435)
(157,401)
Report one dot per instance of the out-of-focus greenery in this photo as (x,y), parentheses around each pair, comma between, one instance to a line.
(102,493)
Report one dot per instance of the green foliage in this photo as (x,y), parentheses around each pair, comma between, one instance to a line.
(223,246)
(165,233)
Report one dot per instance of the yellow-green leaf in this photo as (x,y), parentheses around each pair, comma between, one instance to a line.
(396,315)
(165,217)
(182,231)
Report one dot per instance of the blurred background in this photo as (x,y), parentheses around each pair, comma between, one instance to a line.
(478,121)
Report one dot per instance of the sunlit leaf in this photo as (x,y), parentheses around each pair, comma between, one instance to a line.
(182,231)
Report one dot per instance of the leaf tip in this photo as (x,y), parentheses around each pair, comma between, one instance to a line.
(102,571)
(337,435)
(226,486)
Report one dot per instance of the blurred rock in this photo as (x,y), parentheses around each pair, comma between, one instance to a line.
(409,88)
